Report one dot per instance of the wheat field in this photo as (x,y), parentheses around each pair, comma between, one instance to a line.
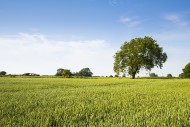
(113,102)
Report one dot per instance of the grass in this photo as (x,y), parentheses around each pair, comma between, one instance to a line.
(94,102)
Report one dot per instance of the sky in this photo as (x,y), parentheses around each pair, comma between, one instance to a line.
(40,36)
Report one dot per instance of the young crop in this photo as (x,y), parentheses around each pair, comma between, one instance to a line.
(94,102)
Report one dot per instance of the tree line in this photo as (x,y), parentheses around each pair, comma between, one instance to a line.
(84,72)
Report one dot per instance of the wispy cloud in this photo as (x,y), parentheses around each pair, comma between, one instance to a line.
(37,53)
(113,2)
(130,21)
(177,19)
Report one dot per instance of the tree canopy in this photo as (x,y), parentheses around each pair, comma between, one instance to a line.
(66,73)
(59,72)
(137,54)
(169,76)
(153,75)
(186,71)
(3,73)
(85,72)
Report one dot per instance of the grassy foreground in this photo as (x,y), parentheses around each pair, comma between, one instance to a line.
(94,102)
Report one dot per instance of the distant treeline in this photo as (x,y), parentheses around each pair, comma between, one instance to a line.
(66,73)
(86,73)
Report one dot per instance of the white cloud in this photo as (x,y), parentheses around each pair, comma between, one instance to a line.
(130,21)
(176,19)
(36,53)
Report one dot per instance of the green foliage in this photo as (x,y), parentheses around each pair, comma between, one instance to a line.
(30,74)
(139,53)
(169,76)
(152,75)
(181,75)
(50,102)
(3,73)
(59,72)
(116,76)
(111,76)
(186,71)
(66,73)
(85,72)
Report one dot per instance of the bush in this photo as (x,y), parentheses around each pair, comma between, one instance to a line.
(85,72)
(169,76)
(3,73)
(66,73)
(116,76)
(153,75)
(111,76)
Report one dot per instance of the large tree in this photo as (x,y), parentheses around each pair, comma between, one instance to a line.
(139,53)
(186,71)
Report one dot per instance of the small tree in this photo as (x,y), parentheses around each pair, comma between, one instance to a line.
(169,76)
(116,76)
(86,72)
(3,73)
(186,71)
(153,75)
(59,72)
(111,76)
(66,73)
(139,53)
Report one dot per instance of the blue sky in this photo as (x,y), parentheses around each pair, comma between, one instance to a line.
(43,35)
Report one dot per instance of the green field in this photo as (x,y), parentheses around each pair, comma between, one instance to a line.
(94,102)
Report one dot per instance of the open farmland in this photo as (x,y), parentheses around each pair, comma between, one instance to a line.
(94,102)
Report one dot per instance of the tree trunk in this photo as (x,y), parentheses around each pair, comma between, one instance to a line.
(133,75)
